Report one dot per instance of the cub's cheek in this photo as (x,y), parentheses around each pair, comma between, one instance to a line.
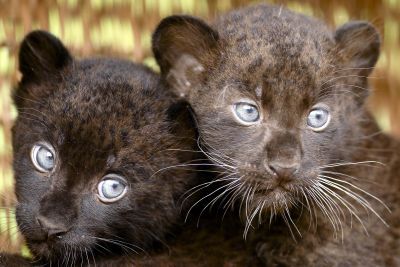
(40,249)
(26,220)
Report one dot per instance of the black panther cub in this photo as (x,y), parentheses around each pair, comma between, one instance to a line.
(89,141)
(279,104)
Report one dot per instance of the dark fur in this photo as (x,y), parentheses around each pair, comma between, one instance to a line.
(296,62)
(13,260)
(101,116)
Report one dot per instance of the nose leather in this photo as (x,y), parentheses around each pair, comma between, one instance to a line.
(51,228)
(282,170)
(283,153)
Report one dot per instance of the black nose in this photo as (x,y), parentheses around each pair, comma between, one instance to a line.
(51,228)
(283,170)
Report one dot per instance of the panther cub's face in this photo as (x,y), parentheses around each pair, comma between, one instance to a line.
(88,140)
(278,100)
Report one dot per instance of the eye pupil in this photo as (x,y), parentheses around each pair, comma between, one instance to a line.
(49,156)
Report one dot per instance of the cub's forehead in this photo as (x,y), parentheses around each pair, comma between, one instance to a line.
(100,103)
(277,67)
(96,97)
(272,23)
(98,116)
(274,43)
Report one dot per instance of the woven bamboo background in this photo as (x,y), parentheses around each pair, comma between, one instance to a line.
(123,28)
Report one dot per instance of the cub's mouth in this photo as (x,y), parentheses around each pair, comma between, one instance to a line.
(272,198)
(264,195)
(55,247)
(278,192)
(44,248)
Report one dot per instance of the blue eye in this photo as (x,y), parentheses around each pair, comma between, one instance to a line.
(246,112)
(42,156)
(112,188)
(318,119)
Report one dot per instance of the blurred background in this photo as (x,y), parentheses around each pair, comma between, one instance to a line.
(122,28)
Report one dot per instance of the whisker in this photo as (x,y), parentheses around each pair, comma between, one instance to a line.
(365,163)
(182,165)
(203,186)
(210,204)
(347,76)
(290,219)
(308,207)
(364,203)
(321,204)
(358,188)
(348,205)
(197,202)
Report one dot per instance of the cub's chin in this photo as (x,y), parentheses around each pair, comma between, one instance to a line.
(264,205)
(42,249)
(60,247)
(275,200)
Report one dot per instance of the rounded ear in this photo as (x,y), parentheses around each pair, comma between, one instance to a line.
(358,43)
(184,47)
(42,54)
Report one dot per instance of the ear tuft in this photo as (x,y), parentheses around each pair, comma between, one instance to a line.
(42,54)
(359,44)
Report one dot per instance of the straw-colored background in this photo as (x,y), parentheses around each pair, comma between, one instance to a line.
(123,29)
